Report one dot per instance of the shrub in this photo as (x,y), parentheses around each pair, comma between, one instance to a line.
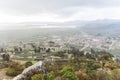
(68,73)
(29,63)
(105,76)
(12,72)
(51,75)
(82,75)
(14,69)
(116,74)
(39,77)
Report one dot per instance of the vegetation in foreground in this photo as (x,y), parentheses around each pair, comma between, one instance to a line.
(76,67)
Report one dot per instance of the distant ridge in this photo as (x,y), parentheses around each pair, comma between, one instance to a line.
(102,26)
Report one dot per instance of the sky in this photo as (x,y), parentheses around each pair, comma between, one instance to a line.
(17,11)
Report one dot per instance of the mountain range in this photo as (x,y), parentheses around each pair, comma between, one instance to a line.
(31,30)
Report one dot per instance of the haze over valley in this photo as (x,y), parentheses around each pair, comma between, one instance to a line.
(59,39)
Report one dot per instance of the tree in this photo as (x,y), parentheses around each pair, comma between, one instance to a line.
(1,50)
(6,57)
(93,51)
(20,49)
(16,49)
(48,50)
(37,49)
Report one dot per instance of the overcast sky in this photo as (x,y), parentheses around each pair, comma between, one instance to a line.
(57,10)
(15,11)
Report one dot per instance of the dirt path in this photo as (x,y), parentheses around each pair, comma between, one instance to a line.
(3,75)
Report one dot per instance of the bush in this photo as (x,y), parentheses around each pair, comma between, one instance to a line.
(29,63)
(82,75)
(68,73)
(51,75)
(12,72)
(116,74)
(105,76)
(39,77)
(14,69)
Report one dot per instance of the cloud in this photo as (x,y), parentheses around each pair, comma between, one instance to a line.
(96,14)
(58,10)
(27,7)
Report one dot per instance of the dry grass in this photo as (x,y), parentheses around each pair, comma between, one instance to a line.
(3,75)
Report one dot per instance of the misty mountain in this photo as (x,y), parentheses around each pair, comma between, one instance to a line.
(34,34)
(109,27)
(36,31)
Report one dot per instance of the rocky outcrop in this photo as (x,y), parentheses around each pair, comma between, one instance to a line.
(39,66)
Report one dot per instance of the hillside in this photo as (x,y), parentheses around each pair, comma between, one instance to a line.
(103,27)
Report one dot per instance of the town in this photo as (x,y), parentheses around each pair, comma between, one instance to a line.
(95,50)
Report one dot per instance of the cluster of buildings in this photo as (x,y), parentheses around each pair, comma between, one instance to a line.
(82,41)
